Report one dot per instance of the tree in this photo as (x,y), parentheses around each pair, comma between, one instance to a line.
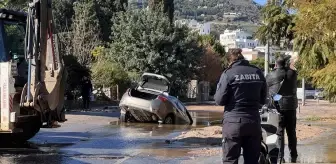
(315,40)
(209,42)
(108,73)
(85,31)
(313,29)
(326,78)
(144,41)
(211,66)
(166,5)
(259,62)
(63,12)
(14,4)
(75,72)
(278,25)
(106,10)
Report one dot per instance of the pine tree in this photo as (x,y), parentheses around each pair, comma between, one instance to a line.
(144,41)
(166,5)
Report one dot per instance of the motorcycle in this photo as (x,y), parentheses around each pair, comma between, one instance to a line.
(269,123)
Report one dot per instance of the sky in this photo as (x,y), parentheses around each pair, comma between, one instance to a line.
(262,2)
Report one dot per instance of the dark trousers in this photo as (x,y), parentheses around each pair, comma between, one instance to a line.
(86,102)
(287,122)
(241,133)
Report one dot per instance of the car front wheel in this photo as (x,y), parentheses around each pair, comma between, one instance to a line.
(124,117)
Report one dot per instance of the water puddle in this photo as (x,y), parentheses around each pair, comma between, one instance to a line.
(166,152)
(154,138)
(322,150)
(204,118)
(200,119)
(31,149)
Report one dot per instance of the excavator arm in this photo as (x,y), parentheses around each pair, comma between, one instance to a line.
(44,90)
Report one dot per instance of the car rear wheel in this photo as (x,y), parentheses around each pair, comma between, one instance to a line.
(170,119)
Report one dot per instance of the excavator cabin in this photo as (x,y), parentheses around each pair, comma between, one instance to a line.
(12,45)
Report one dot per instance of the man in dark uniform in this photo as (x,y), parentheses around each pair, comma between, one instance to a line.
(283,81)
(86,92)
(242,90)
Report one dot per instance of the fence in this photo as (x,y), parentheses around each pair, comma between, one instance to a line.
(101,96)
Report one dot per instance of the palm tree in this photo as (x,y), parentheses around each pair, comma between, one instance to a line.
(278,25)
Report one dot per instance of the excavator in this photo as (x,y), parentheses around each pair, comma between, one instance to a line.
(33,76)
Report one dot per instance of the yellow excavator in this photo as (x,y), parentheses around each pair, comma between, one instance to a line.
(33,78)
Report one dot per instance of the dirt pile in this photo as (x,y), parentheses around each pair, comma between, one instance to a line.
(206,152)
(211,135)
(306,131)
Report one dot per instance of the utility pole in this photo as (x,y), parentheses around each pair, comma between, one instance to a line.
(303,92)
(266,66)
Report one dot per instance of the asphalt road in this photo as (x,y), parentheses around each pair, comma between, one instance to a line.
(98,137)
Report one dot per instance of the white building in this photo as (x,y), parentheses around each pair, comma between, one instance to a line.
(252,54)
(237,39)
(202,28)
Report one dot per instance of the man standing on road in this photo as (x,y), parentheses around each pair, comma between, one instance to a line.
(242,90)
(86,92)
(283,81)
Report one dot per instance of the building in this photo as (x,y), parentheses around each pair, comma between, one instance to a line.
(252,54)
(237,39)
(202,28)
(231,15)
(275,2)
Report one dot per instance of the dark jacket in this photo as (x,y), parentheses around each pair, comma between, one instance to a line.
(242,90)
(86,88)
(288,89)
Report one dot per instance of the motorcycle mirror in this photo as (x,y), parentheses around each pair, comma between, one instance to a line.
(277,97)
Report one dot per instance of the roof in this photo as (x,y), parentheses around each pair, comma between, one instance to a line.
(13,15)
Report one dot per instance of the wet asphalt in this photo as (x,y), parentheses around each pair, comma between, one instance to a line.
(130,143)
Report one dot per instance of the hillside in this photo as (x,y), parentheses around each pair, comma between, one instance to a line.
(218,10)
